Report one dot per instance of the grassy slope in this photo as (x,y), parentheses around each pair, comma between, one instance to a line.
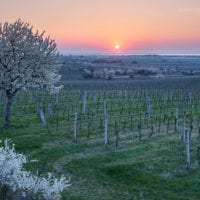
(150,169)
(141,170)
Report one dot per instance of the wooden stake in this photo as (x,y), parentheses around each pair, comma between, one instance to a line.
(187,150)
(105,125)
(75,127)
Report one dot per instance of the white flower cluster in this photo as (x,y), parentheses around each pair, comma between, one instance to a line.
(55,90)
(17,179)
(103,73)
(26,58)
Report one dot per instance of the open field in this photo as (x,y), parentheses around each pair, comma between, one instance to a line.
(145,155)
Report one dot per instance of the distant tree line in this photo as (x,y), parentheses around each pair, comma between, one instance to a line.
(105,73)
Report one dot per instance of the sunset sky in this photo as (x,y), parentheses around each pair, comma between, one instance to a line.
(112,26)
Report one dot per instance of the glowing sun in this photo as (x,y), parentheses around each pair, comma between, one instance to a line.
(117,46)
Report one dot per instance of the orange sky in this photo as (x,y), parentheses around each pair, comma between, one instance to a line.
(95,26)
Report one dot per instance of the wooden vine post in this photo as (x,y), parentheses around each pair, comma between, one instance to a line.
(44,122)
(187,143)
(75,128)
(105,125)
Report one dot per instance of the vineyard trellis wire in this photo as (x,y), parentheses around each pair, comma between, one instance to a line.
(126,115)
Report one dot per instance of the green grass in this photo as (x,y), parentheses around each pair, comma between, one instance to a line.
(149,169)
(153,168)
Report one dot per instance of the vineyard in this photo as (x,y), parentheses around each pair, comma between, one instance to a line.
(154,124)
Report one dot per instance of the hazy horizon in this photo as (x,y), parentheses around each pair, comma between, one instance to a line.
(113,27)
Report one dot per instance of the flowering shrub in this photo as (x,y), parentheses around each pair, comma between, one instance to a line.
(17,180)
(55,90)
(102,73)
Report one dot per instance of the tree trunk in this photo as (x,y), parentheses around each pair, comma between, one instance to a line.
(8,110)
